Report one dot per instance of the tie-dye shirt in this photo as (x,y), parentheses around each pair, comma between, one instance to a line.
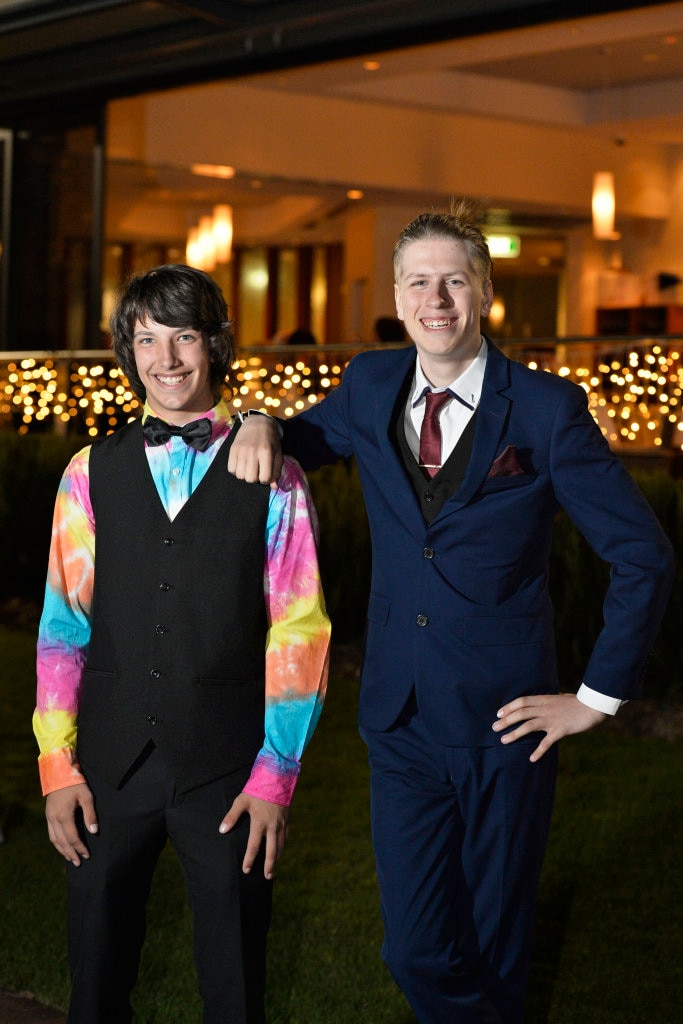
(297,644)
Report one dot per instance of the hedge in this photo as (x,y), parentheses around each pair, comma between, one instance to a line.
(30,468)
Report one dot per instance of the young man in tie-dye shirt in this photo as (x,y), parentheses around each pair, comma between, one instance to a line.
(182,664)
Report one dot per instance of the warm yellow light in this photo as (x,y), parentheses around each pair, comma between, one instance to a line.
(193,253)
(207,243)
(497,314)
(222,232)
(603,205)
(213,170)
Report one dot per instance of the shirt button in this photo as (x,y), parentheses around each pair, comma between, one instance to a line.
(175,472)
(422,620)
(168,541)
(428,496)
(152,720)
(160,629)
(428,552)
(155,673)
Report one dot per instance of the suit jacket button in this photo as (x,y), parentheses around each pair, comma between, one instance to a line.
(155,673)
(160,629)
(428,552)
(422,620)
(428,496)
(168,541)
(152,720)
(164,586)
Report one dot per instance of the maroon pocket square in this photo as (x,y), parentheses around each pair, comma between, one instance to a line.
(507,463)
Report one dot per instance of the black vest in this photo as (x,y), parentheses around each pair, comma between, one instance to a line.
(177,652)
(432,493)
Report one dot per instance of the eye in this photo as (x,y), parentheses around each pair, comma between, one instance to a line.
(187,338)
(144,340)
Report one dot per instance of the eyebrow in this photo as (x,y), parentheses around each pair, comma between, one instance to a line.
(178,330)
(436,273)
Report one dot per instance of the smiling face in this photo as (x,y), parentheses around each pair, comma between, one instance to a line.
(441,300)
(174,367)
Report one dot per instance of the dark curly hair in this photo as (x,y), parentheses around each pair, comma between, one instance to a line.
(174,295)
(459,225)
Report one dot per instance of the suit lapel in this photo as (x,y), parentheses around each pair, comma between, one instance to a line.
(492,420)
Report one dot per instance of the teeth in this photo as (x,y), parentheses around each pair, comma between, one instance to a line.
(437,323)
(171,380)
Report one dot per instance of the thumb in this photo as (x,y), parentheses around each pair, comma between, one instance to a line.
(89,815)
(239,806)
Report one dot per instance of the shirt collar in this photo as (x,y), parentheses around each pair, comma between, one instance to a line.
(467,387)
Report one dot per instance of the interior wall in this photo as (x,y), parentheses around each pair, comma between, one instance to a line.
(259,130)
(376,145)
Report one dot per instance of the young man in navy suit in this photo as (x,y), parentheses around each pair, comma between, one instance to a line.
(459,702)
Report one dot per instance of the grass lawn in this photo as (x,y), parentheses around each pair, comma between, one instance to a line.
(609,926)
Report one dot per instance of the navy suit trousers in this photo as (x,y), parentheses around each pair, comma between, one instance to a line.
(459,836)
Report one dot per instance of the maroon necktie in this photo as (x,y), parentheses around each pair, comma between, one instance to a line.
(430,432)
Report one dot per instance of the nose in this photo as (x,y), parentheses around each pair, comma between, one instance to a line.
(438,294)
(169,356)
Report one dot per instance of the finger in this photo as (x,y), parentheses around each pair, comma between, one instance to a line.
(253,848)
(271,469)
(542,748)
(522,704)
(89,816)
(238,808)
(71,846)
(275,845)
(515,717)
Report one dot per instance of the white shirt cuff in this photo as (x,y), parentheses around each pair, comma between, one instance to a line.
(599,701)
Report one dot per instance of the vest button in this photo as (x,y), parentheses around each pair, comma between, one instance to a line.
(160,629)
(168,541)
(152,720)
(422,620)
(155,673)
(164,586)
(428,552)
(428,496)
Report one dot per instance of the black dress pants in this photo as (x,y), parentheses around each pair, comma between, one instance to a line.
(107,896)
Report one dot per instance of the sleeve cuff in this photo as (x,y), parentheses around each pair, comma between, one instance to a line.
(59,769)
(272,782)
(244,415)
(599,701)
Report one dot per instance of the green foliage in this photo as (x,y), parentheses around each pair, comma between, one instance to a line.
(30,470)
(345,557)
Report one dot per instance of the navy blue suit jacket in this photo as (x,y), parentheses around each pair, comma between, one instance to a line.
(460,610)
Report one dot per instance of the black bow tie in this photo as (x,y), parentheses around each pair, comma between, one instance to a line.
(197,433)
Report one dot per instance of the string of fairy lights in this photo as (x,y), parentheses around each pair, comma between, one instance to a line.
(634,393)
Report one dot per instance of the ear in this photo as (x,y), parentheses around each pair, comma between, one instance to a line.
(399,304)
(487,299)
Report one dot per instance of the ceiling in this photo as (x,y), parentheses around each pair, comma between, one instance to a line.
(617,71)
(67,52)
(620,72)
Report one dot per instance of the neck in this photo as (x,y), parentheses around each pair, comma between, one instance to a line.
(440,372)
(177,417)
